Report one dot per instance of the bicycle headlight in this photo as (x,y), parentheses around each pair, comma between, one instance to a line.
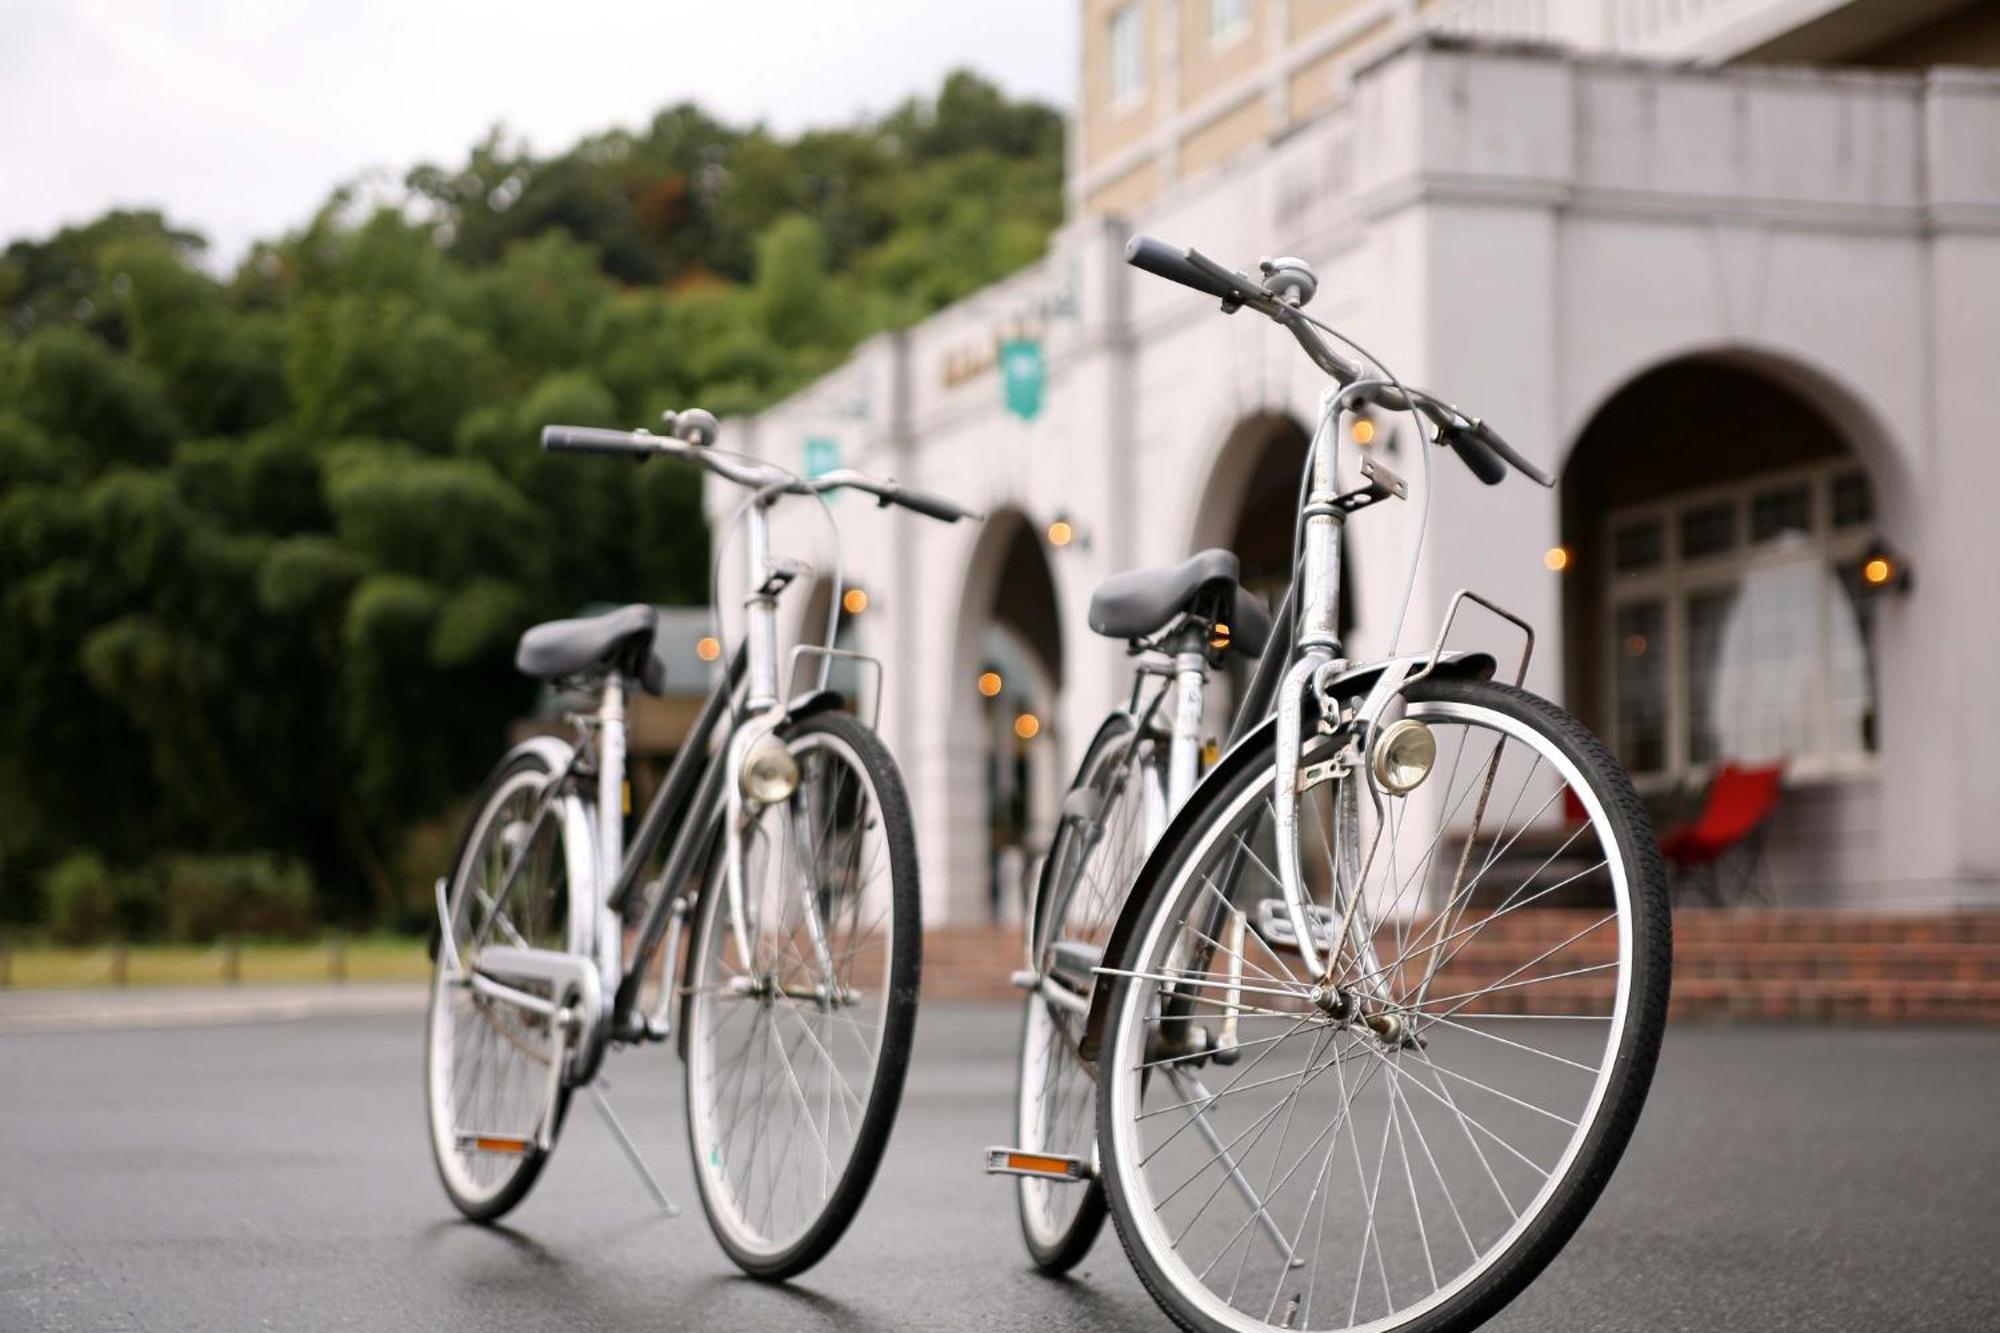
(1404,754)
(770,774)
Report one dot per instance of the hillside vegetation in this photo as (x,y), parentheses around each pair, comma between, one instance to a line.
(266,539)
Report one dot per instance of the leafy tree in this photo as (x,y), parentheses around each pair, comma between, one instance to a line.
(267,537)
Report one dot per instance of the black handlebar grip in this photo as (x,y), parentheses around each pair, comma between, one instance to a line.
(593,440)
(1471,451)
(932,506)
(1171,262)
(1491,439)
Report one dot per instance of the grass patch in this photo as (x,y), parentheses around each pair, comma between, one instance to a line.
(369,958)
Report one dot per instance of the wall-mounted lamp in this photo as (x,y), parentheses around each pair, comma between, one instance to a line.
(1884,569)
(1062,532)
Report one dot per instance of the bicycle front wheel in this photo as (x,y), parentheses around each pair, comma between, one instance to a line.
(800,1015)
(1402,1141)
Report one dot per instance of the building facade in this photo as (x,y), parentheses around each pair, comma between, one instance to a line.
(1749,315)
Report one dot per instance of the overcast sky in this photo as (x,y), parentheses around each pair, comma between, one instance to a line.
(237,116)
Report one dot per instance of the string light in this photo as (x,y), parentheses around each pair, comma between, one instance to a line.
(1027,726)
(990,683)
(854,601)
(708,648)
(1556,558)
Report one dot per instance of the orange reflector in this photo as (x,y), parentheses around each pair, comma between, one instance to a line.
(1027,1161)
(1046,1166)
(494,1143)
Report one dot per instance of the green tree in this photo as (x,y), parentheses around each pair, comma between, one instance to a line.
(267,537)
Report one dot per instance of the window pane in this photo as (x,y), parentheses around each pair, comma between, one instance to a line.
(1128,58)
(1708,530)
(1639,685)
(1761,681)
(1226,18)
(1638,545)
(1787,509)
(1851,663)
(1853,500)
(1707,617)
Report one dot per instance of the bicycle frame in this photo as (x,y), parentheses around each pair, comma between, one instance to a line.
(701,782)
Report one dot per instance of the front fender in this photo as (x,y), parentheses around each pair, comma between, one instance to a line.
(1253,749)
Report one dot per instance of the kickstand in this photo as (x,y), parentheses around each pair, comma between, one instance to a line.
(603,1105)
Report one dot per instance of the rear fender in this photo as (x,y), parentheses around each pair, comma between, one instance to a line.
(579,840)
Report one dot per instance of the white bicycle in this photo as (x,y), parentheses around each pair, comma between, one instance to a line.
(780,843)
(1375,1017)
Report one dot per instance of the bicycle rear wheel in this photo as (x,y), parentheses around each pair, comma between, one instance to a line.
(796,1051)
(1097,849)
(487,1062)
(1403,1141)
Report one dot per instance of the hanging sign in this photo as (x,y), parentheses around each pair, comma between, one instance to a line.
(821,455)
(1023,371)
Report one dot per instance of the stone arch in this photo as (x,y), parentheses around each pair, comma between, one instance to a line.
(1009,623)
(1691,490)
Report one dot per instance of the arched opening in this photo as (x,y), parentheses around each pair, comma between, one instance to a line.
(856,685)
(1252,498)
(1010,675)
(1716,523)
(1250,506)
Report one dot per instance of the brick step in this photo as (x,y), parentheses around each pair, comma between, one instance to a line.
(1760,965)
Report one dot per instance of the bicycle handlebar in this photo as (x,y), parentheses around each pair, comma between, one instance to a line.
(1475,442)
(757,476)
(1171,262)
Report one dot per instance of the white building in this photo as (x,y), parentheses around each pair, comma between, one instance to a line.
(1749,314)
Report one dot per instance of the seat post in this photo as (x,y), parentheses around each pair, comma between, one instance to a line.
(1190,693)
(610,815)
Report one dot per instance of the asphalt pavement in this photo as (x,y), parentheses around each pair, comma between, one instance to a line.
(274,1175)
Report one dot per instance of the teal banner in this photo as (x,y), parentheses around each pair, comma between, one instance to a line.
(1023,372)
(822,455)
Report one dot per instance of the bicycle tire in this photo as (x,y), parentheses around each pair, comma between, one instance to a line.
(1594,1149)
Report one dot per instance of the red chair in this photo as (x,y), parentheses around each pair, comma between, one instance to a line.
(1726,835)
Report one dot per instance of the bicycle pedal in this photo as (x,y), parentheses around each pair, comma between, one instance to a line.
(502,1144)
(1273,924)
(1040,1165)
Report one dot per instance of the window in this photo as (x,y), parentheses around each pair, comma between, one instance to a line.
(1127,49)
(1738,627)
(1228,22)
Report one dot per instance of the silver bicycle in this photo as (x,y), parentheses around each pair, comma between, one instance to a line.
(1179,623)
(780,845)
(1378,1013)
